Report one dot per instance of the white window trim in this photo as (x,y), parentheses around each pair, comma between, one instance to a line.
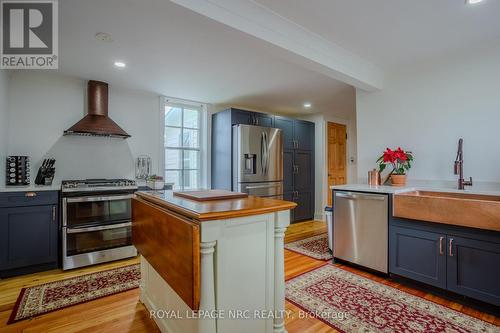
(204,137)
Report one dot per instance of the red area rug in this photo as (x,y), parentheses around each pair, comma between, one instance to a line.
(315,247)
(37,300)
(352,303)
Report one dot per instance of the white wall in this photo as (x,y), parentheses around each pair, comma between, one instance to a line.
(428,108)
(321,154)
(4,105)
(43,105)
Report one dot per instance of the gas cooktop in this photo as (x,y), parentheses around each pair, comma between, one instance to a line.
(98,185)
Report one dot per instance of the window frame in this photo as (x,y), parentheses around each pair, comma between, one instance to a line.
(202,139)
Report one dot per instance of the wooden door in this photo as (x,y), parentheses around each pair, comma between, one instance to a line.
(337,168)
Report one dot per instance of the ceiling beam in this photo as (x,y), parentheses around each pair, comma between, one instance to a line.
(307,48)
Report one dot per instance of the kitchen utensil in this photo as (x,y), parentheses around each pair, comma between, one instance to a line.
(17,170)
(46,172)
(143,167)
(374,178)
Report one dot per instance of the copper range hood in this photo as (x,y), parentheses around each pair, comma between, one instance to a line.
(97,122)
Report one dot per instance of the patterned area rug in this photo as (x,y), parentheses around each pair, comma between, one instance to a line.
(315,247)
(352,303)
(37,300)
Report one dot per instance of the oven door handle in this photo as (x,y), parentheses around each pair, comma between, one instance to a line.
(104,227)
(92,198)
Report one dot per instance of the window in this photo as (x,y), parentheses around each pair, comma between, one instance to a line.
(182,145)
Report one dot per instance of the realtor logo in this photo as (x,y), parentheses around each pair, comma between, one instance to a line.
(29,36)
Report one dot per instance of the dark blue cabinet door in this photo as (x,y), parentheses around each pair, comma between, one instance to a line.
(265,120)
(287,171)
(474,268)
(241,117)
(4,238)
(286,126)
(29,236)
(304,135)
(304,209)
(418,255)
(303,172)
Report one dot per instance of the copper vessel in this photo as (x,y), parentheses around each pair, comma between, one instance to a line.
(374,178)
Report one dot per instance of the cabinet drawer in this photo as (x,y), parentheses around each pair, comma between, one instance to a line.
(21,199)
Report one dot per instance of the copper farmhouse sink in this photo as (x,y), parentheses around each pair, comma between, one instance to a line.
(462,209)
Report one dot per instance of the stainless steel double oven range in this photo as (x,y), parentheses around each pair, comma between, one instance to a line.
(96,221)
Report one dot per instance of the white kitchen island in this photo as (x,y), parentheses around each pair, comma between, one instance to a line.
(235,280)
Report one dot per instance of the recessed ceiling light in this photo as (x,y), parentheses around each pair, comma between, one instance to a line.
(473,2)
(120,64)
(307,105)
(103,37)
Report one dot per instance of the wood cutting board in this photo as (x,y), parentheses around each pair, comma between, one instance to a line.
(209,195)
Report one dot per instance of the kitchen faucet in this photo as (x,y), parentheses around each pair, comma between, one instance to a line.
(459,167)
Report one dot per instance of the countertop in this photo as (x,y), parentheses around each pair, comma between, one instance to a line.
(30,188)
(424,185)
(217,209)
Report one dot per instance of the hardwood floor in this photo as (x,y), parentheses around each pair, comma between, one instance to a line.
(124,313)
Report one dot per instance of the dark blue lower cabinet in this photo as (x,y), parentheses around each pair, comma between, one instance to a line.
(474,268)
(462,260)
(28,239)
(418,255)
(305,207)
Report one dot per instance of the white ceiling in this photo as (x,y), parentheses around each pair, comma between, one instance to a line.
(173,51)
(394,33)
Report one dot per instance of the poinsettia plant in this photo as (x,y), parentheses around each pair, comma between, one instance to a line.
(399,159)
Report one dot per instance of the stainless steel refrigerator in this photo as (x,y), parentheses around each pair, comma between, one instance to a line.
(258,161)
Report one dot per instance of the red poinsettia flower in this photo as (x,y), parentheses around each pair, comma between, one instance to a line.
(399,159)
(389,156)
(400,154)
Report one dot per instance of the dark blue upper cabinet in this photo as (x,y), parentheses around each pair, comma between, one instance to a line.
(286,125)
(251,118)
(304,135)
(241,117)
(474,268)
(418,255)
(265,120)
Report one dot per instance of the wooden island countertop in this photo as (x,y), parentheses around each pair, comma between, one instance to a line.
(216,209)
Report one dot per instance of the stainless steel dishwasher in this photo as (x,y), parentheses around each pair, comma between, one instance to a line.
(360,227)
